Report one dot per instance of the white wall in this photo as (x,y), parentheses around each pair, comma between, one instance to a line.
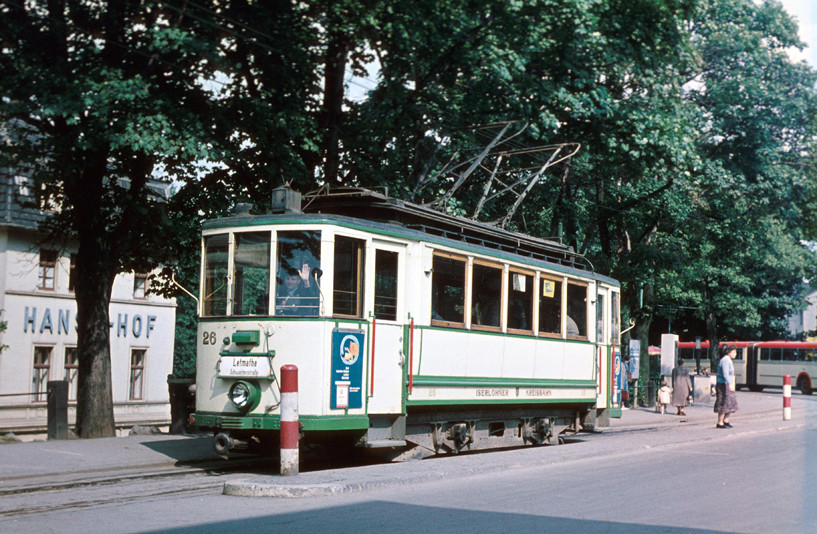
(39,317)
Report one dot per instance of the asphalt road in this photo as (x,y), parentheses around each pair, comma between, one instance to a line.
(663,475)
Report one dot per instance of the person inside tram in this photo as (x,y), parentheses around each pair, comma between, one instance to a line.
(299,295)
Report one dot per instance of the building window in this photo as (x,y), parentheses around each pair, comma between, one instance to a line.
(72,273)
(137,373)
(39,384)
(48,264)
(71,369)
(140,286)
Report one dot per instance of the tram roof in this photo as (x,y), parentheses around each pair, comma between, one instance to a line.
(346,204)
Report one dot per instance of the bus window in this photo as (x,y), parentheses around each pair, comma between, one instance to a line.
(808,355)
(789,355)
(486,295)
(297,273)
(776,354)
(214,300)
(576,310)
(448,289)
(764,354)
(520,301)
(550,306)
(385,285)
(347,298)
(251,273)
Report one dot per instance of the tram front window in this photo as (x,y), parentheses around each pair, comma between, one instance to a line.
(297,288)
(216,250)
(251,273)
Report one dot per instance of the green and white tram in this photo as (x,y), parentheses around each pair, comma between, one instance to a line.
(413,332)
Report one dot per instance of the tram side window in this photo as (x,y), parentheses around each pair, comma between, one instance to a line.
(216,249)
(550,306)
(448,290)
(600,318)
(251,266)
(385,285)
(615,325)
(520,301)
(297,288)
(348,278)
(576,310)
(486,296)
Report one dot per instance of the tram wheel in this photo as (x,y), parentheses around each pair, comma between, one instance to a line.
(804,385)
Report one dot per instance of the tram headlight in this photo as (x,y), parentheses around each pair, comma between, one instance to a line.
(244,395)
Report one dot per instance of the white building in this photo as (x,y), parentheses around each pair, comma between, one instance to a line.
(805,320)
(36,296)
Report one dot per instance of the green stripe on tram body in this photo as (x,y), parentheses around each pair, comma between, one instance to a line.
(309,423)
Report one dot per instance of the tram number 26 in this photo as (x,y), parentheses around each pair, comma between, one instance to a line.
(208,338)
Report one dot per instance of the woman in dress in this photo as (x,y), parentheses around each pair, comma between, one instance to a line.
(726,401)
(681,386)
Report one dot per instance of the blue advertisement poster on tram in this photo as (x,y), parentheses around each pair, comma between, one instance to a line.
(347,369)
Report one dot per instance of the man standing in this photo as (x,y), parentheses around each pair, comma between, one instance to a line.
(681,386)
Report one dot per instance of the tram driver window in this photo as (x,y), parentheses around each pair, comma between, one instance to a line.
(216,249)
(251,273)
(576,310)
(486,296)
(297,278)
(347,297)
(520,301)
(550,307)
(448,290)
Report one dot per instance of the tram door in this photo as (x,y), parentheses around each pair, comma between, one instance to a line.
(386,357)
(604,348)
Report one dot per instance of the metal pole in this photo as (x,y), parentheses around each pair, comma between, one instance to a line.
(57,409)
(786,397)
(290,428)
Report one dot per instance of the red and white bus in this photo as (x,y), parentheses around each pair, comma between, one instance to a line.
(762,364)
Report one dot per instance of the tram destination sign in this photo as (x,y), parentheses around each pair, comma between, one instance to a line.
(245,366)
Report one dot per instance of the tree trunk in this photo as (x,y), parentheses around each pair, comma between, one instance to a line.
(95,417)
(641,332)
(711,331)
(333,104)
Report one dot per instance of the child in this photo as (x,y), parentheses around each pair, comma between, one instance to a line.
(664,397)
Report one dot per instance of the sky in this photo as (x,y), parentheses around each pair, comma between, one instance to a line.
(805,13)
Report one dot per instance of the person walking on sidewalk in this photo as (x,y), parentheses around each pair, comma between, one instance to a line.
(681,386)
(726,401)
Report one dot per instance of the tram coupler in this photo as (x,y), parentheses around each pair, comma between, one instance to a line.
(223,443)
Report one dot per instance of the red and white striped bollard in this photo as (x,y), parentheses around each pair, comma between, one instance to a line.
(786,397)
(290,428)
